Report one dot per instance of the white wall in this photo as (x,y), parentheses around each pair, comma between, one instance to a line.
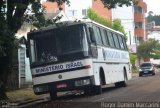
(24,67)
(126,14)
(77,7)
(154,35)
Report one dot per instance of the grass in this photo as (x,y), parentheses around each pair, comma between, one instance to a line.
(21,95)
(134,70)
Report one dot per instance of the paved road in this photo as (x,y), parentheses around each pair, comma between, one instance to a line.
(139,91)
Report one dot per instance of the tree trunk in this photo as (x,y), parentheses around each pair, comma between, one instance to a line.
(3,95)
(5,70)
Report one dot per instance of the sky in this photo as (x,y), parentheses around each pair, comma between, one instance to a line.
(153,5)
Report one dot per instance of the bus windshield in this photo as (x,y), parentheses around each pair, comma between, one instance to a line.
(58,44)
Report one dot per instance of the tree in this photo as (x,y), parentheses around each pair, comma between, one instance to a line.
(151,17)
(12,19)
(95,17)
(150,13)
(116,25)
(113,3)
(149,49)
(133,58)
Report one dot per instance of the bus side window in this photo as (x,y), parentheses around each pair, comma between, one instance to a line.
(104,37)
(116,40)
(124,42)
(92,37)
(97,35)
(121,42)
(110,37)
(33,52)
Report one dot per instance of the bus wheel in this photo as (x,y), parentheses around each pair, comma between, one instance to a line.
(122,83)
(53,95)
(88,91)
(97,90)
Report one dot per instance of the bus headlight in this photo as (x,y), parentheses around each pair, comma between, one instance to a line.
(82,82)
(40,89)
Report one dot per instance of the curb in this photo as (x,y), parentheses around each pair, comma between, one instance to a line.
(29,101)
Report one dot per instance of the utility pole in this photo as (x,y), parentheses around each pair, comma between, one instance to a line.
(130,37)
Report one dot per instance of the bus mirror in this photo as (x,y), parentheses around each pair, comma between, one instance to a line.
(92,37)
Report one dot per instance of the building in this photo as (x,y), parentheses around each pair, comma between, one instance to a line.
(21,74)
(126,15)
(133,20)
(153,31)
(24,72)
(140,21)
(24,76)
(79,10)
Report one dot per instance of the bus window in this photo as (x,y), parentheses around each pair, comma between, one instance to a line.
(91,35)
(97,35)
(111,41)
(124,42)
(116,40)
(121,42)
(33,57)
(104,37)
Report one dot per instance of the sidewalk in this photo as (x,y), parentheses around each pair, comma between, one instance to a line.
(135,74)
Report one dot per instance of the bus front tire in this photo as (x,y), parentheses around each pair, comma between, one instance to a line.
(122,83)
(53,95)
(96,90)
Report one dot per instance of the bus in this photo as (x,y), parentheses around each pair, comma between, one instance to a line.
(77,55)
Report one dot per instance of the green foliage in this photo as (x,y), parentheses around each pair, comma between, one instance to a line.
(113,3)
(95,17)
(149,49)
(133,58)
(155,56)
(107,3)
(60,2)
(152,17)
(116,25)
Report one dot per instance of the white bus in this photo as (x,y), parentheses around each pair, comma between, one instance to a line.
(80,55)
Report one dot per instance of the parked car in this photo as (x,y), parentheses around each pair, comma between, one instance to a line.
(146,68)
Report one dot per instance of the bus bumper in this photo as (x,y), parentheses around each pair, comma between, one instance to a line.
(82,83)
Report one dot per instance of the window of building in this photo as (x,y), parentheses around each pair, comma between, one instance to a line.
(138,25)
(84,12)
(138,9)
(72,13)
(139,39)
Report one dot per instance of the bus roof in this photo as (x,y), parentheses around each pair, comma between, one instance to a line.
(69,23)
